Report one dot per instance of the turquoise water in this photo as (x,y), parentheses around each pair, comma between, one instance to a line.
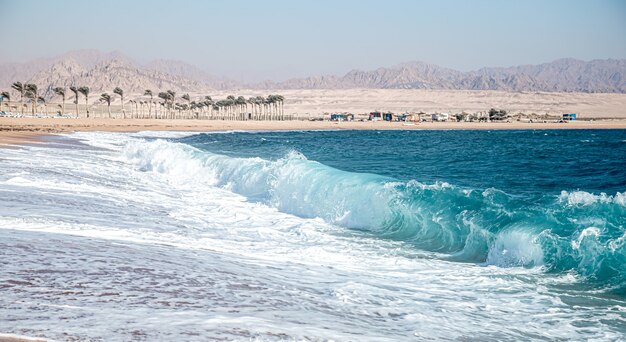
(315,236)
(550,199)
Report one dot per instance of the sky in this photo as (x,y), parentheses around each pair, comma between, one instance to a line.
(280,39)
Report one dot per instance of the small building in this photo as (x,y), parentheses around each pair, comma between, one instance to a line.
(440,117)
(376,116)
(412,117)
(569,117)
(425,117)
(341,117)
(402,117)
(389,116)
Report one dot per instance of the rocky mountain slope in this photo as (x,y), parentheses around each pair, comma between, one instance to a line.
(105,71)
(107,75)
(563,75)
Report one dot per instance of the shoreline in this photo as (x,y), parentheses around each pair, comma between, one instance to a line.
(20,338)
(18,131)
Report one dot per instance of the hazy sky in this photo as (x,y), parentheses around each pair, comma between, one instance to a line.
(275,39)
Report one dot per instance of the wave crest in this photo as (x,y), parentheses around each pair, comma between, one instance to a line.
(578,231)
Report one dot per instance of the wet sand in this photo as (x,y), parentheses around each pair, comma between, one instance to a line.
(15,131)
(17,338)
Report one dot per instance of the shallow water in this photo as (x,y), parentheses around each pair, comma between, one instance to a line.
(316,235)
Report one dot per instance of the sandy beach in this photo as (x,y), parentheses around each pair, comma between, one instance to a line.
(318,101)
(18,338)
(15,131)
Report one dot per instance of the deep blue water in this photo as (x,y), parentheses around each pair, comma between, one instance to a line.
(550,199)
(517,162)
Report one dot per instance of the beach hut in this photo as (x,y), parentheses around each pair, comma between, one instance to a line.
(389,116)
(569,117)
(341,117)
(402,117)
(411,117)
(376,116)
(440,117)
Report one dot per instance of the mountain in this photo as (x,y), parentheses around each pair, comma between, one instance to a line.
(11,72)
(407,75)
(107,75)
(564,75)
(191,72)
(104,71)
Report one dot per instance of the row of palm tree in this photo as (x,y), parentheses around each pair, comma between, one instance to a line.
(165,106)
(29,91)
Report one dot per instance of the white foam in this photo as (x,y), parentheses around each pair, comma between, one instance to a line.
(516,247)
(168,208)
(584,198)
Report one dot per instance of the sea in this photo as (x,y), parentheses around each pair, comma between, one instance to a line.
(348,235)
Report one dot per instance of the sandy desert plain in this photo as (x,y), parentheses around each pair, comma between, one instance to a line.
(595,110)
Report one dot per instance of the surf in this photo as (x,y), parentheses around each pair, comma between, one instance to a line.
(577,231)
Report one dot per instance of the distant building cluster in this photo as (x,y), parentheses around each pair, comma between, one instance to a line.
(492,115)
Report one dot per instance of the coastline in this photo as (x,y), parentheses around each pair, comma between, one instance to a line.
(17,131)
(20,338)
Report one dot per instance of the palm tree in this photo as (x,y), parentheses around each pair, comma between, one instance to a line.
(217,108)
(196,108)
(31,96)
(260,101)
(120,92)
(172,98)
(241,105)
(165,97)
(133,109)
(148,92)
(5,95)
(85,91)
(141,110)
(20,89)
(43,101)
(106,98)
(230,101)
(34,95)
(281,99)
(75,91)
(208,101)
(250,101)
(61,92)
(186,98)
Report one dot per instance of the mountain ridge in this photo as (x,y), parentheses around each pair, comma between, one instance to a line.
(102,71)
(561,75)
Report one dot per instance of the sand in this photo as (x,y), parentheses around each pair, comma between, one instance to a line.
(317,101)
(310,103)
(18,338)
(20,137)
(14,131)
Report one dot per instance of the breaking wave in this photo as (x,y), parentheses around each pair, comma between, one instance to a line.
(572,232)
